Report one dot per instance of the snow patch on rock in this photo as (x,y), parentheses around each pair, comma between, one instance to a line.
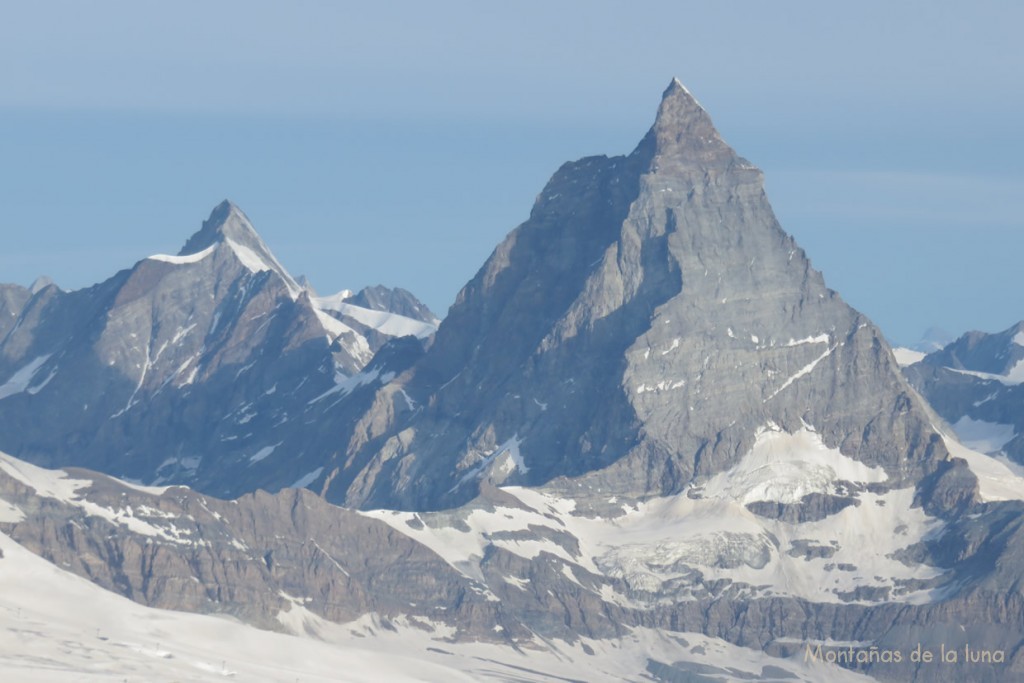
(22,379)
(783,468)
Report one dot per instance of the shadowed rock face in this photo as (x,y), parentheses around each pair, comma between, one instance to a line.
(638,329)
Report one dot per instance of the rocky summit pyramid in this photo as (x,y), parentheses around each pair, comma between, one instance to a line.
(636,334)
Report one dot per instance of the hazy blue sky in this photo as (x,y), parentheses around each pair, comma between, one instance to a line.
(399,142)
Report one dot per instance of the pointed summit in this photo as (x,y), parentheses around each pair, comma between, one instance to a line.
(683,131)
(675,86)
(228,225)
(678,104)
(41,283)
(226,221)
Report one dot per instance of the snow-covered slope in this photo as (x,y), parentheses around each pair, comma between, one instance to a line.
(905,356)
(391,324)
(55,626)
(520,557)
(708,538)
(521,584)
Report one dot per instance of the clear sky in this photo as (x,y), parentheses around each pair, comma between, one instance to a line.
(398,142)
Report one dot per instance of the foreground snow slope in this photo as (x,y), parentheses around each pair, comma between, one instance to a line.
(55,626)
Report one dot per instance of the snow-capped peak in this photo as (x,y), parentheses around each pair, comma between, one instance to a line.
(230,227)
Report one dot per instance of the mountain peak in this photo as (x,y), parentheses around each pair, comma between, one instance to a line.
(674,86)
(229,225)
(226,222)
(392,300)
(225,209)
(683,130)
(680,101)
(41,282)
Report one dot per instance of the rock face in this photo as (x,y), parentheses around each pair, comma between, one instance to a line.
(661,283)
(976,383)
(200,368)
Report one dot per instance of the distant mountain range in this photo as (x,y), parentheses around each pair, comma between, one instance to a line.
(645,426)
(933,339)
(976,383)
(203,368)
